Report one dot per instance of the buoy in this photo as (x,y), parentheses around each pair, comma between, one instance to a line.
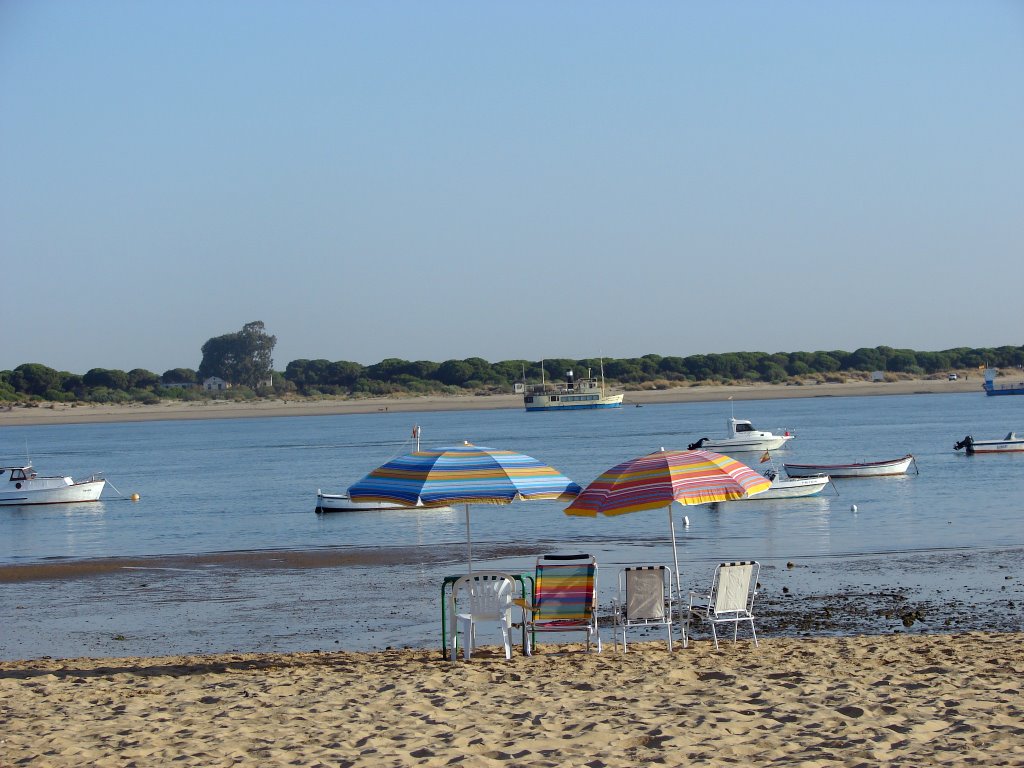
(853,507)
(686,521)
(134,497)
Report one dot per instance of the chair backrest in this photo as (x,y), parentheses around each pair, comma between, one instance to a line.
(644,592)
(565,588)
(484,594)
(735,586)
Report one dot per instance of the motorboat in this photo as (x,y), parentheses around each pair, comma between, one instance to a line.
(742,436)
(859,469)
(1009,444)
(571,395)
(22,486)
(340,502)
(783,487)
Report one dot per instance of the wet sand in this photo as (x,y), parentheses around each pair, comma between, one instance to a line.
(223,409)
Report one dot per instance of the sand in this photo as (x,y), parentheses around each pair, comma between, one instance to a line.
(58,413)
(920,700)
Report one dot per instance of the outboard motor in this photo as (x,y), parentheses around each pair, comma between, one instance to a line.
(968,443)
(698,445)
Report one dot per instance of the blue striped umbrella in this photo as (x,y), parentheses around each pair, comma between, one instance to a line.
(463,474)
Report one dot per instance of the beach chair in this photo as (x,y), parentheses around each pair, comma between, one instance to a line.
(564,598)
(481,596)
(730,600)
(644,601)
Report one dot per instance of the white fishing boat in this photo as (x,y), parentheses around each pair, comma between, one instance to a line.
(742,436)
(340,502)
(22,486)
(858,469)
(571,395)
(1009,444)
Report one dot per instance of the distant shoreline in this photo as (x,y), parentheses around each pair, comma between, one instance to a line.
(58,413)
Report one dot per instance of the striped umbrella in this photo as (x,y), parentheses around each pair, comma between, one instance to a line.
(463,474)
(657,479)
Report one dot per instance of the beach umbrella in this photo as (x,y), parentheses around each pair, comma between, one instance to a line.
(463,474)
(658,479)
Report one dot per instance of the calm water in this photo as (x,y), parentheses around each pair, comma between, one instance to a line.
(248,485)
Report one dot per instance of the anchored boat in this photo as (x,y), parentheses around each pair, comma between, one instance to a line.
(1009,444)
(571,395)
(22,485)
(742,437)
(859,469)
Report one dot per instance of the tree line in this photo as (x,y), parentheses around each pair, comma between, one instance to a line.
(244,360)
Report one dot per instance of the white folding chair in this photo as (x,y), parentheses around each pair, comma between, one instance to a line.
(644,600)
(482,596)
(730,600)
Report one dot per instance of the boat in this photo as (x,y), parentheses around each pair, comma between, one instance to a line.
(859,469)
(991,388)
(340,502)
(571,395)
(791,487)
(21,486)
(1009,444)
(742,437)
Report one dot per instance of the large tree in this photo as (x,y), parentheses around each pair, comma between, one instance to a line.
(240,358)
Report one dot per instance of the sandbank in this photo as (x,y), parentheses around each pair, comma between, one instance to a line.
(937,700)
(58,413)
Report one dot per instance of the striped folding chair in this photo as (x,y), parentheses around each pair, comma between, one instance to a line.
(564,597)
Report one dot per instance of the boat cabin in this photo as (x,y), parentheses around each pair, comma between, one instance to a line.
(18,473)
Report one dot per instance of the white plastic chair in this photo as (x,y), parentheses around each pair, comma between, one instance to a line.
(644,600)
(482,596)
(731,599)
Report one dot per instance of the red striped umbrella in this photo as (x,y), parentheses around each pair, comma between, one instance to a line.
(658,479)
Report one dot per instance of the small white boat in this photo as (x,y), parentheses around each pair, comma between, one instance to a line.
(1009,444)
(742,437)
(791,487)
(860,469)
(571,395)
(340,502)
(21,486)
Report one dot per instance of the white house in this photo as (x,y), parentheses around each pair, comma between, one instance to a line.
(215,384)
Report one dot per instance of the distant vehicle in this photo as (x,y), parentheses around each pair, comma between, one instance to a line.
(953,377)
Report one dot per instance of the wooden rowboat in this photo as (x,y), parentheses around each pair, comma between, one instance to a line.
(860,469)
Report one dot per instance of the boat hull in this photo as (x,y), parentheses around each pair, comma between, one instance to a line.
(863,469)
(1009,444)
(740,445)
(543,403)
(36,492)
(792,488)
(340,502)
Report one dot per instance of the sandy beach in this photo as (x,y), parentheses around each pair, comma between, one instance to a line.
(59,413)
(935,700)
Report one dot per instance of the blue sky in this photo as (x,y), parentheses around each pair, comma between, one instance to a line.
(508,180)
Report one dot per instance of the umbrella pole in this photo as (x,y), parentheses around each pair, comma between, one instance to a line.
(675,560)
(469,545)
